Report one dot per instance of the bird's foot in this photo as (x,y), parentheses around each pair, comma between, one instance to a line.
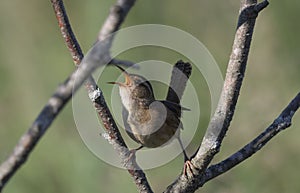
(131,155)
(129,161)
(131,158)
(189,169)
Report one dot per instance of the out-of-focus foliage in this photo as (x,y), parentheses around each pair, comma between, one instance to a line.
(34,60)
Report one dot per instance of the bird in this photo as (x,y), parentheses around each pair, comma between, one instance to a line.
(150,122)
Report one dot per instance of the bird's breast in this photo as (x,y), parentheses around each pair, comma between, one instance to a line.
(150,128)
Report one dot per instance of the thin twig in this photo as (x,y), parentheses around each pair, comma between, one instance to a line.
(66,31)
(114,20)
(283,121)
(124,63)
(222,117)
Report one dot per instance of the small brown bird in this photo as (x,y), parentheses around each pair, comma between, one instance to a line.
(150,122)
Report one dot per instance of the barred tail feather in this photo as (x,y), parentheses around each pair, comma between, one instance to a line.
(180,75)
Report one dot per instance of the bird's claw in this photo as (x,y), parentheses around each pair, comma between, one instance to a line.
(188,169)
(131,155)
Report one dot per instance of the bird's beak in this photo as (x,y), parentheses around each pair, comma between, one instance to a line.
(127,78)
(118,83)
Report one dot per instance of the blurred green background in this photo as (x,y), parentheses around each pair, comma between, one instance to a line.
(34,60)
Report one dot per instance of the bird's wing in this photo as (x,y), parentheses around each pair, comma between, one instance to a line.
(172,108)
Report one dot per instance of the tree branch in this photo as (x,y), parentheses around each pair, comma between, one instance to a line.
(283,121)
(233,81)
(222,117)
(53,107)
(114,20)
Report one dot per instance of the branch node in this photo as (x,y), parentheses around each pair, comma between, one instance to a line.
(95,94)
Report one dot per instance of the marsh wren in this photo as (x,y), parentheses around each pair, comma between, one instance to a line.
(150,122)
